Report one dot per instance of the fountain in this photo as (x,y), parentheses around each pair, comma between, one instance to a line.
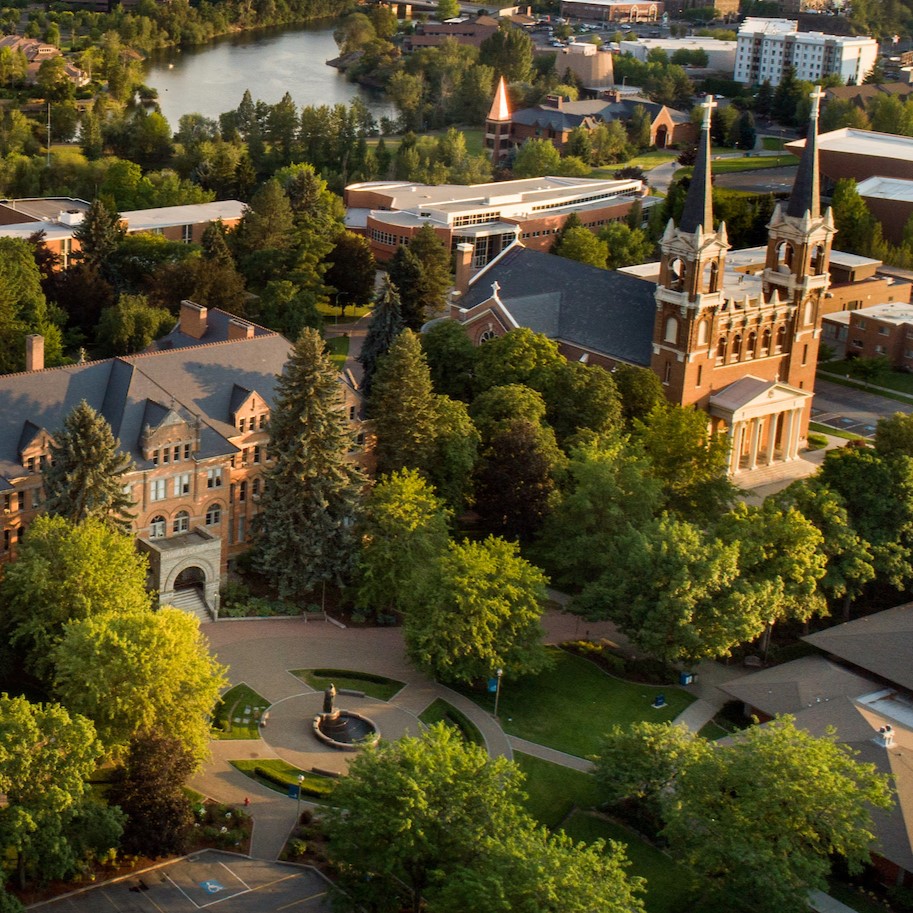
(344,730)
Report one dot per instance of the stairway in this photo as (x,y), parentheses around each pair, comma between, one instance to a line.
(190,599)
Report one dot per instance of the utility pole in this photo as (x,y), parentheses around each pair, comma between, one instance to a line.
(48,163)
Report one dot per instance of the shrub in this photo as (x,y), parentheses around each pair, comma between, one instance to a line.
(310,786)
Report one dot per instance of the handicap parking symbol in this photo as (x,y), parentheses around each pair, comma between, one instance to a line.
(211,887)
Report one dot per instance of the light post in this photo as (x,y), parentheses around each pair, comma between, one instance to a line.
(298,807)
(499,673)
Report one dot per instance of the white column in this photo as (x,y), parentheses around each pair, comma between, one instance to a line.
(797,425)
(735,436)
(755,440)
(788,436)
(772,436)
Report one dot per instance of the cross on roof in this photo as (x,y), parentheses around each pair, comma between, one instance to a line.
(816,97)
(708,104)
(495,288)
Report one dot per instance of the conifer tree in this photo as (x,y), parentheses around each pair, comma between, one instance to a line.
(85,477)
(99,234)
(386,325)
(311,491)
(403,408)
(405,272)
(421,272)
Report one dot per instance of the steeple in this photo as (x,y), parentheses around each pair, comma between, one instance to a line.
(806,193)
(500,111)
(698,211)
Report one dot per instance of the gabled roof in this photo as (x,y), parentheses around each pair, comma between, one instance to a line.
(604,311)
(881,643)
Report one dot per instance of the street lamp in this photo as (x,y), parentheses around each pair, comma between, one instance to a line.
(298,808)
(499,673)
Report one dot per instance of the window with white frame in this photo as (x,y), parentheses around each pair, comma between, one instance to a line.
(214,477)
(157,490)
(157,528)
(182,484)
(182,522)
(213,515)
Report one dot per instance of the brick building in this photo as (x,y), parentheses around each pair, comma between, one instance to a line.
(613,10)
(742,347)
(192,414)
(471,32)
(880,330)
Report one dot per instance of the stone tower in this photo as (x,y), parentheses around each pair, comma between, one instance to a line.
(497,126)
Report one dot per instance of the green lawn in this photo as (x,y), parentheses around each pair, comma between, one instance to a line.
(372,685)
(237,714)
(554,791)
(670,887)
(712,731)
(443,712)
(834,432)
(646,161)
(571,705)
(339,350)
(274,765)
(772,143)
(891,380)
(727,166)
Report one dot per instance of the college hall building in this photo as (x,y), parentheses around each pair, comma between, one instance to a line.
(193,415)
(740,346)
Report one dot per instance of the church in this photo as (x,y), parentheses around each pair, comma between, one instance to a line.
(740,346)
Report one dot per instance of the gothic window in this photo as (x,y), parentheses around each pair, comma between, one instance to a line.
(818,260)
(736,353)
(765,343)
(181,522)
(810,311)
(781,339)
(157,528)
(671,333)
(752,344)
(488,334)
(721,349)
(677,275)
(703,332)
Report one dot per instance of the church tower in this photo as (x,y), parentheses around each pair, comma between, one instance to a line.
(497,126)
(690,287)
(798,260)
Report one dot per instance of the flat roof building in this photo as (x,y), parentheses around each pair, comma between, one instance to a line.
(612,10)
(720,54)
(767,46)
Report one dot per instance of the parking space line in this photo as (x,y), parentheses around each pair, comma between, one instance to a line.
(233,873)
(198,906)
(295,903)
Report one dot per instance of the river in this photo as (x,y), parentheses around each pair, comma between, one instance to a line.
(211,79)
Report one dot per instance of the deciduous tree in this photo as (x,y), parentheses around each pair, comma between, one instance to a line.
(311,491)
(451,359)
(351,270)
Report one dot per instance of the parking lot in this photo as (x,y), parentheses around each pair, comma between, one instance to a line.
(233,884)
(855,411)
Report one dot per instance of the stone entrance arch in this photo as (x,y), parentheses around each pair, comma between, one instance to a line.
(182,562)
(189,578)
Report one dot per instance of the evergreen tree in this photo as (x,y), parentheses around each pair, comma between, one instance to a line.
(405,272)
(386,325)
(764,98)
(218,282)
(430,293)
(99,234)
(85,477)
(402,405)
(311,490)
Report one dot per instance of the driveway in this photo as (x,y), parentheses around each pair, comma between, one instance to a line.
(851,410)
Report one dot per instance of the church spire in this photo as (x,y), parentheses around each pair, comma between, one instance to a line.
(806,193)
(500,111)
(698,211)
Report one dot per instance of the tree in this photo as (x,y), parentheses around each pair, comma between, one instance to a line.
(509,52)
(263,238)
(85,476)
(428,296)
(218,282)
(402,405)
(581,398)
(386,324)
(894,435)
(98,235)
(763,817)
(641,391)
(451,359)
(413,811)
(453,457)
(351,271)
(66,572)
(536,158)
(447,9)
(478,610)
(852,217)
(582,245)
(626,246)
(46,758)
(158,665)
(311,491)
(404,530)
(404,272)
(520,356)
(670,587)
(688,460)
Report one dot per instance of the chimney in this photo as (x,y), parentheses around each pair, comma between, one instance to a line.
(885,737)
(463,267)
(240,329)
(193,319)
(34,353)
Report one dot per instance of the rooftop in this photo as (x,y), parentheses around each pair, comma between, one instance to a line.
(861,142)
(895,189)
(166,216)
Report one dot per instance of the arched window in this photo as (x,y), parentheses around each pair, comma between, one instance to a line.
(752,344)
(736,353)
(810,311)
(157,528)
(781,339)
(255,486)
(818,261)
(181,522)
(721,349)
(213,515)
(488,334)
(703,332)
(785,256)
(677,275)
(711,276)
(671,333)
(765,343)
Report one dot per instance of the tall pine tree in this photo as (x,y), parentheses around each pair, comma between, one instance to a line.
(99,234)
(386,325)
(85,477)
(311,491)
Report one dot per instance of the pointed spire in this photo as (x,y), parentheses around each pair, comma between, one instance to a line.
(806,193)
(698,209)
(500,110)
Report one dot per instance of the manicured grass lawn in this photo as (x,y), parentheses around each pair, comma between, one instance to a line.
(571,705)
(891,380)
(646,161)
(331,314)
(238,713)
(374,685)
(670,887)
(712,732)
(248,768)
(443,712)
(834,432)
(771,143)
(339,350)
(726,166)
(553,791)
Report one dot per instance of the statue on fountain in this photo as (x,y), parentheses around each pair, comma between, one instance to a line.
(328,697)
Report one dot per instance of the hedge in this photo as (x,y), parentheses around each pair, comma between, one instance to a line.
(310,786)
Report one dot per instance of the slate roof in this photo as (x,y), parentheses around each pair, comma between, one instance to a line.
(573,113)
(216,331)
(195,382)
(881,643)
(605,311)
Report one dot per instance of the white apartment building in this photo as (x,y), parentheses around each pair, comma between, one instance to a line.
(766,46)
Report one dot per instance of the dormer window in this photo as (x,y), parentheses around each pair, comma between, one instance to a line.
(242,423)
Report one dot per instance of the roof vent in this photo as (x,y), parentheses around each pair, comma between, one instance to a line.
(885,737)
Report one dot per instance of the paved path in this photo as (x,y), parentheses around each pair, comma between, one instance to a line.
(549,754)
(852,410)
